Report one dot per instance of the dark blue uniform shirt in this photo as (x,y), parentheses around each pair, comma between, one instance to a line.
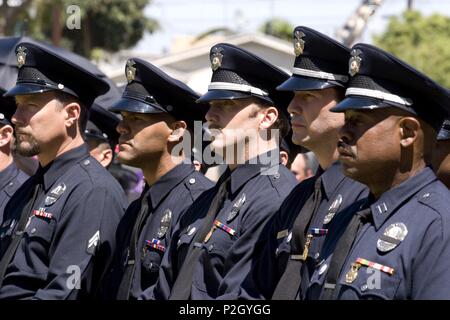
(408,236)
(273,252)
(11,178)
(170,196)
(70,234)
(254,196)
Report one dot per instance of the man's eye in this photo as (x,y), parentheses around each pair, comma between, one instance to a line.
(309,97)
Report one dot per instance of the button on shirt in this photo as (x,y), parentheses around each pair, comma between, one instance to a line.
(274,251)
(171,195)
(70,235)
(413,220)
(255,194)
(11,178)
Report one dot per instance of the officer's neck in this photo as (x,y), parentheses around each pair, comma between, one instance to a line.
(326,157)
(325,150)
(154,170)
(251,151)
(388,181)
(49,154)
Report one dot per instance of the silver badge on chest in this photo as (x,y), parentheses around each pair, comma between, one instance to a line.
(392,236)
(236,207)
(334,207)
(164,224)
(55,194)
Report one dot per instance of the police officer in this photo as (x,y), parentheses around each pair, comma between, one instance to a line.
(101,135)
(301,168)
(397,245)
(59,227)
(441,153)
(213,244)
(11,177)
(296,233)
(157,113)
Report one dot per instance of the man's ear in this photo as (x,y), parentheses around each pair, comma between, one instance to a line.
(178,129)
(107,156)
(269,116)
(72,113)
(6,133)
(284,158)
(409,131)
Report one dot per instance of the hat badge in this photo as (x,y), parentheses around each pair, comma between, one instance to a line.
(355,62)
(21,56)
(299,43)
(216,58)
(130,70)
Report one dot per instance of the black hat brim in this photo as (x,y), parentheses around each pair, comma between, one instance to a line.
(213,95)
(132,105)
(26,88)
(355,103)
(295,83)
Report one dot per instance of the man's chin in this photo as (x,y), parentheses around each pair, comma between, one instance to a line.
(300,141)
(350,171)
(126,159)
(27,150)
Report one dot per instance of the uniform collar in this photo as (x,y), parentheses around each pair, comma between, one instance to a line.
(8,174)
(331,178)
(55,169)
(167,182)
(389,201)
(250,169)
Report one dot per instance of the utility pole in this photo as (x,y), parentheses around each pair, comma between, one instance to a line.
(352,30)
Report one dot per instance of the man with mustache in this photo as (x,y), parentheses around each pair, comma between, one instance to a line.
(58,229)
(11,177)
(297,232)
(157,113)
(396,246)
(213,244)
(441,153)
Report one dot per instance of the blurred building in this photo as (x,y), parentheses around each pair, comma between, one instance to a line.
(188,60)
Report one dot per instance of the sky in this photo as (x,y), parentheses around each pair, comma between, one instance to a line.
(191,17)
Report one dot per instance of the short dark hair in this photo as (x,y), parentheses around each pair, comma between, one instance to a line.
(66,98)
(282,122)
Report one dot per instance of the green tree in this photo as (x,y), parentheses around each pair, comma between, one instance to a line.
(108,25)
(423,42)
(278,28)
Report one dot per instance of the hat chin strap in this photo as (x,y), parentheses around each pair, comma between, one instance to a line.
(236,87)
(319,74)
(379,95)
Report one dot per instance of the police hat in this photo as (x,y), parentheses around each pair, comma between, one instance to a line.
(7,108)
(150,90)
(238,74)
(320,62)
(380,80)
(42,68)
(102,125)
